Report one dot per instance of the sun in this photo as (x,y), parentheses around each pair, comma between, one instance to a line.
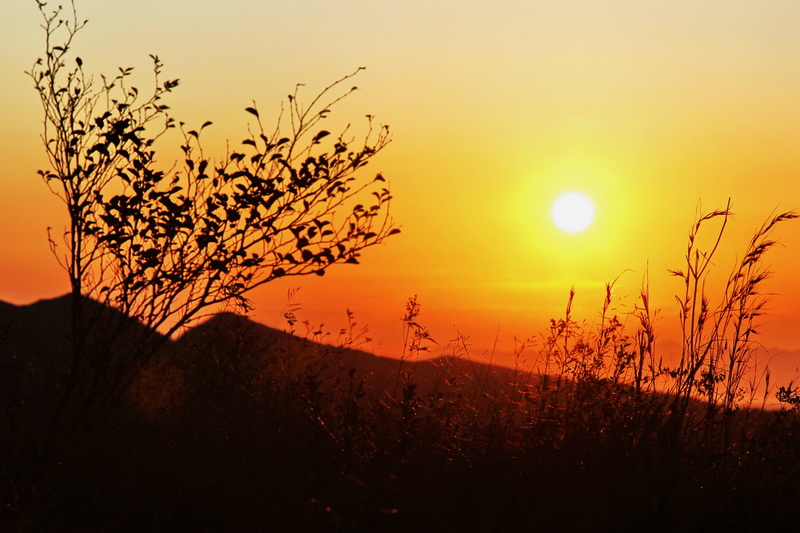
(572,212)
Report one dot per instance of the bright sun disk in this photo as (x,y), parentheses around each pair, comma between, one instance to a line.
(572,212)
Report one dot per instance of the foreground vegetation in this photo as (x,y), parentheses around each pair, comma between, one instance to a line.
(238,429)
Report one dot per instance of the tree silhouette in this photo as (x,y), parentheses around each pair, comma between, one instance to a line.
(162,245)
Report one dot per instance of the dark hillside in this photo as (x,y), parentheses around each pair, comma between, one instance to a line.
(236,426)
(230,356)
(36,360)
(236,342)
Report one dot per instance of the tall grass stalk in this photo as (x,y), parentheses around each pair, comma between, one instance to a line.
(718,340)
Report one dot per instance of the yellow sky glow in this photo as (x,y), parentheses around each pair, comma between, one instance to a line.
(497,107)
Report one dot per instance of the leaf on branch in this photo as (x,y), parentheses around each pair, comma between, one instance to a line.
(206,123)
(321,135)
(99,147)
(110,220)
(252,110)
(204,240)
(233,215)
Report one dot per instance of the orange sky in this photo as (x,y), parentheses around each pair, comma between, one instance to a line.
(496,108)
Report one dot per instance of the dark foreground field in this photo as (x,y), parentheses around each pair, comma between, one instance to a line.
(238,427)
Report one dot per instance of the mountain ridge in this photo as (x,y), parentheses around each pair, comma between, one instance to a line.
(225,346)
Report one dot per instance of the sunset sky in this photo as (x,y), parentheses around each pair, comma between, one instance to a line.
(651,109)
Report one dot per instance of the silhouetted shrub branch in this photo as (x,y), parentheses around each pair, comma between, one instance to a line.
(162,245)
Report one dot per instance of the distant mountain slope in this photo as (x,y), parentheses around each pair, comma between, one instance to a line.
(236,341)
(36,351)
(229,348)
(44,326)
